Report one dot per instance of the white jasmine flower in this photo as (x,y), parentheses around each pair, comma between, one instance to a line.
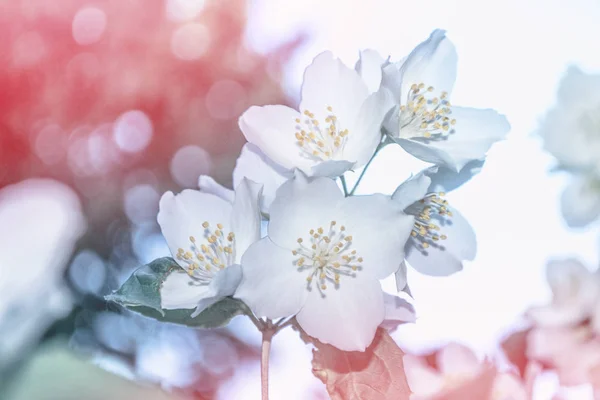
(571,132)
(337,128)
(424,122)
(256,166)
(441,237)
(207,236)
(575,294)
(323,258)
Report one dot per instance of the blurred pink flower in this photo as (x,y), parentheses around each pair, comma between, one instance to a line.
(575,292)
(455,371)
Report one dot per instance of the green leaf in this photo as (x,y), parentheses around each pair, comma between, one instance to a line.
(141,293)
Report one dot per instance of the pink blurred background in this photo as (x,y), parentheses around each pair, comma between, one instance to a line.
(106,104)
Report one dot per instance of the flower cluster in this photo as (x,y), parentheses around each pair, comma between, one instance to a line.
(565,334)
(293,240)
(455,372)
(571,132)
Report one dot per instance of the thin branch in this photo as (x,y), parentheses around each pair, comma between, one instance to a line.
(344,186)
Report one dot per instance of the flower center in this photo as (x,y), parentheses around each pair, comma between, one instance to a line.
(425,116)
(425,233)
(216,253)
(320,142)
(327,256)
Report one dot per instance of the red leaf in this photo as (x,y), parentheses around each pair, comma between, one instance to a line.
(375,374)
(515,348)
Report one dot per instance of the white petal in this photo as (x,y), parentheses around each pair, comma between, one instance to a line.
(179,290)
(330,83)
(391,79)
(562,274)
(272,129)
(347,316)
(412,190)
(181,216)
(369,67)
(246,217)
(397,311)
(256,166)
(553,315)
(207,184)
(433,62)
(271,285)
(400,277)
(580,202)
(458,359)
(476,131)
(332,168)
(379,230)
(446,180)
(568,128)
(302,205)
(575,293)
(224,283)
(365,134)
(445,256)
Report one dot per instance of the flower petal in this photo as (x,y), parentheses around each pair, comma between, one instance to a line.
(397,311)
(509,386)
(565,277)
(330,83)
(224,283)
(476,131)
(568,129)
(446,179)
(412,190)
(422,379)
(433,62)
(365,134)
(272,128)
(347,316)
(271,285)
(245,216)
(180,291)
(332,168)
(400,276)
(181,216)
(368,67)
(391,79)
(379,230)
(455,359)
(580,202)
(575,293)
(445,256)
(302,204)
(207,184)
(256,166)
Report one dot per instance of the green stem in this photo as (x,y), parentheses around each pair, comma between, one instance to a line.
(381,145)
(282,324)
(344,186)
(258,323)
(267,336)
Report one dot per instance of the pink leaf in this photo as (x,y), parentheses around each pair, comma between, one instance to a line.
(375,374)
